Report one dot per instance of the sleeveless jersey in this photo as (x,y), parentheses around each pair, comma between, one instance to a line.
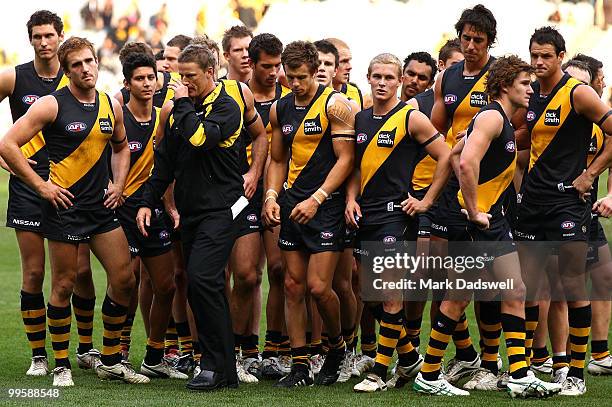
(595,146)
(423,173)
(161,95)
(352,92)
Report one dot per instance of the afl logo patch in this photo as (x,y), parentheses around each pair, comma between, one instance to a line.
(568,224)
(252,218)
(163,235)
(530,115)
(362,138)
(327,235)
(287,129)
(135,146)
(76,127)
(29,99)
(389,239)
(510,147)
(450,99)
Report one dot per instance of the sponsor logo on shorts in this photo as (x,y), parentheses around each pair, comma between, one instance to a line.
(75,238)
(287,129)
(510,147)
(390,207)
(327,235)
(252,217)
(76,127)
(135,146)
(285,242)
(389,239)
(133,249)
(106,126)
(584,229)
(313,126)
(478,99)
(552,117)
(450,99)
(361,252)
(158,212)
(386,138)
(25,222)
(439,227)
(30,99)
(593,146)
(568,224)
(362,138)
(531,115)
(163,235)
(523,235)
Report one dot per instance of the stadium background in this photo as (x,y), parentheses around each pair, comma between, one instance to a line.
(369,27)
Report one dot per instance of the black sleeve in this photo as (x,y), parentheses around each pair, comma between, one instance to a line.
(162,173)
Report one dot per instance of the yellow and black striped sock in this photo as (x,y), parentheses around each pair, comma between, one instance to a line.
(514,333)
(113,318)
(271,345)
(155,352)
(539,355)
(441,331)
(284,349)
(184,338)
(463,341)
(560,360)
(309,343)
(325,342)
(599,349)
(317,347)
(33,313)
(126,333)
(197,352)
(531,323)
(59,319)
(337,344)
(84,314)
(579,330)
(368,345)
(391,326)
(406,352)
(249,346)
(349,338)
(299,358)
(490,323)
(413,330)
(171,340)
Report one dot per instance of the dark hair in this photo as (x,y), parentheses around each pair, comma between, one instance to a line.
(137,60)
(327,47)
(425,58)
(237,31)
(548,35)
(503,72)
(593,64)
(449,47)
(73,44)
(180,41)
(134,48)
(298,53)
(200,54)
(43,17)
(267,43)
(159,55)
(481,19)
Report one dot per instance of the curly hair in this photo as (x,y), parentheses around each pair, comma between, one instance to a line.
(503,72)
(422,57)
(299,53)
(267,43)
(73,44)
(481,18)
(43,17)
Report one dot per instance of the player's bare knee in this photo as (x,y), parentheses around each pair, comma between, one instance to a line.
(32,280)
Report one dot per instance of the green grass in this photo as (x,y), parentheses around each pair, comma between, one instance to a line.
(89,390)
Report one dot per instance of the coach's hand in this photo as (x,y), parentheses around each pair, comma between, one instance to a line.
(113,196)
(143,220)
(413,206)
(352,211)
(250,184)
(304,211)
(480,219)
(603,206)
(271,213)
(583,185)
(57,195)
(180,90)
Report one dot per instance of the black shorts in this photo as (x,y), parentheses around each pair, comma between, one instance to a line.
(560,222)
(426,219)
(349,237)
(76,225)
(384,238)
(324,233)
(447,221)
(497,239)
(23,211)
(175,234)
(158,242)
(249,220)
(597,239)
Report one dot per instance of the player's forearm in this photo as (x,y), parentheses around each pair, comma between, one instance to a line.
(353,185)
(609,181)
(339,173)
(276,175)
(601,162)
(259,155)
(440,178)
(468,181)
(12,155)
(120,164)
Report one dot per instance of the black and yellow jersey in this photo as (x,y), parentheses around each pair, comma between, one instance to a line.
(424,171)
(385,155)
(140,138)
(29,87)
(199,151)
(161,95)
(496,167)
(352,92)
(234,90)
(77,141)
(560,139)
(263,109)
(307,132)
(595,147)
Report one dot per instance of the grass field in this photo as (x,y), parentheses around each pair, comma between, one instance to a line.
(89,390)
